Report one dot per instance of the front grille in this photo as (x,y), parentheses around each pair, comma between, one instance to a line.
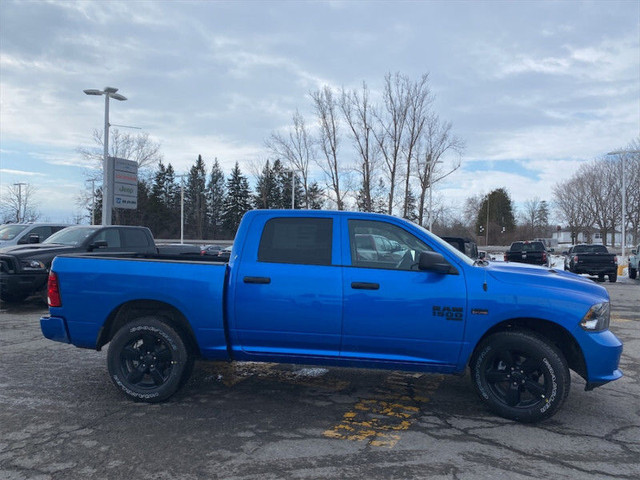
(8,264)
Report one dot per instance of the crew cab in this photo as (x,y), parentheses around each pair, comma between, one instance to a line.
(534,253)
(24,269)
(297,289)
(592,260)
(27,233)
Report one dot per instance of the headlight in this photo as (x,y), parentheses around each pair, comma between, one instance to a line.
(33,265)
(597,318)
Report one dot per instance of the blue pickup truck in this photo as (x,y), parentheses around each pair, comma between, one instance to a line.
(298,289)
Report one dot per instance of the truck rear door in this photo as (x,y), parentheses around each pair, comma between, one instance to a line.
(287,288)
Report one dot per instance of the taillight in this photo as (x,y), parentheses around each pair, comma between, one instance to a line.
(53,291)
(575,259)
(544,256)
(506,257)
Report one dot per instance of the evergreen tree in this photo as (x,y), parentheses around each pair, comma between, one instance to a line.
(316,196)
(195,200)
(215,200)
(237,201)
(268,193)
(501,218)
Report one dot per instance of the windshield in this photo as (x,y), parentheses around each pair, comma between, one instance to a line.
(445,245)
(71,236)
(9,232)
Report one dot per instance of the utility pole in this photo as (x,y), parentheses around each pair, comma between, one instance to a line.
(20,217)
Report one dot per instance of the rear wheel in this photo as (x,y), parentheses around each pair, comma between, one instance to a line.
(520,376)
(613,277)
(148,360)
(601,277)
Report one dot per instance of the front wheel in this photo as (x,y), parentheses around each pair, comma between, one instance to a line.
(520,376)
(148,360)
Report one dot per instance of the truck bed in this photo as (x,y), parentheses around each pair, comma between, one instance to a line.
(98,284)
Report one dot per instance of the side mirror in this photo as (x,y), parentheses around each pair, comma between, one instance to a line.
(552,250)
(34,238)
(634,252)
(434,262)
(97,245)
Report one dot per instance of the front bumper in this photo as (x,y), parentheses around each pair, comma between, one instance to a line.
(602,352)
(55,328)
(22,283)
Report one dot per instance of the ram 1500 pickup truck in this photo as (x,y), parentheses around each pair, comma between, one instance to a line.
(297,290)
(534,253)
(592,260)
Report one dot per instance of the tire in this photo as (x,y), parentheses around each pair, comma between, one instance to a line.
(601,277)
(148,360)
(632,273)
(520,376)
(613,277)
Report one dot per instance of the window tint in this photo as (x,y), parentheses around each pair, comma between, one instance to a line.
(111,236)
(384,245)
(134,238)
(297,240)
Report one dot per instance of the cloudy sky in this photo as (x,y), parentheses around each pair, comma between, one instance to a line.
(533,88)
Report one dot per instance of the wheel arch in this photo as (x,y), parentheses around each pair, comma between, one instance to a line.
(554,333)
(130,311)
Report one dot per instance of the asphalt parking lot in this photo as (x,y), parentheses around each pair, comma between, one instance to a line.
(61,418)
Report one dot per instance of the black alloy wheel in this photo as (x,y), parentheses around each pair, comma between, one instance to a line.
(520,376)
(148,360)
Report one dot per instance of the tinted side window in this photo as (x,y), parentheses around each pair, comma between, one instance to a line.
(135,238)
(111,236)
(304,241)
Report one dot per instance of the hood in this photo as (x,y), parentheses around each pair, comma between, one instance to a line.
(36,250)
(528,276)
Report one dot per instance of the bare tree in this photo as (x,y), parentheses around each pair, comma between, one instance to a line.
(391,128)
(18,203)
(437,139)
(600,180)
(358,113)
(296,149)
(570,205)
(327,111)
(419,100)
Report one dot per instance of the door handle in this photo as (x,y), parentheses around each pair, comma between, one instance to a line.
(365,286)
(258,280)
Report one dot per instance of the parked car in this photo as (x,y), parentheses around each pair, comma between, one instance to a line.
(225,253)
(592,260)
(378,248)
(533,253)
(24,268)
(297,294)
(634,260)
(211,249)
(179,249)
(27,233)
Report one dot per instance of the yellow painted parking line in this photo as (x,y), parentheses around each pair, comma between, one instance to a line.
(618,319)
(394,407)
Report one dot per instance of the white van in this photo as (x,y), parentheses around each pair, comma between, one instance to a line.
(25,233)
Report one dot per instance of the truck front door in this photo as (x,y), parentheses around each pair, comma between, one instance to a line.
(392,310)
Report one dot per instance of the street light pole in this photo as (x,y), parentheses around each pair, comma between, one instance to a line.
(20,216)
(181,177)
(107,174)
